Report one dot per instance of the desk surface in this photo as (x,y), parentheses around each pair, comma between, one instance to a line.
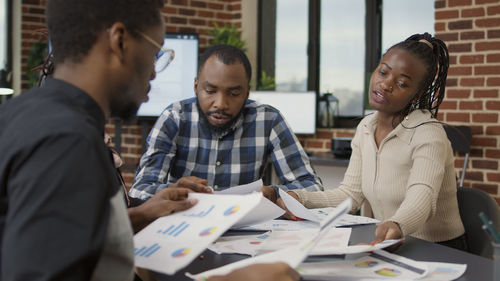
(478,268)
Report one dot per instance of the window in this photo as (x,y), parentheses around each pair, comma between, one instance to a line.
(334,45)
(402,18)
(342,53)
(291,45)
(4,57)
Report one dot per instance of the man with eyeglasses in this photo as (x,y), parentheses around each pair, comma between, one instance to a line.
(62,212)
(220,138)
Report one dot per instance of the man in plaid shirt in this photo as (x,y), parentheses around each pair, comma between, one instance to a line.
(221,138)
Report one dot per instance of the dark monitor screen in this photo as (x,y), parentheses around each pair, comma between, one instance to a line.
(176,82)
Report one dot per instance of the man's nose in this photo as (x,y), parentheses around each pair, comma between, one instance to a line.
(221,101)
(153,73)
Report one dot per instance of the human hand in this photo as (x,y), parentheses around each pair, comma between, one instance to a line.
(281,204)
(269,193)
(194,183)
(386,231)
(163,203)
(261,272)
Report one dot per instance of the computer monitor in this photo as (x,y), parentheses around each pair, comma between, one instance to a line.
(298,108)
(176,82)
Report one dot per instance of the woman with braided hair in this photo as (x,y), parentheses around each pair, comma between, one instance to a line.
(402,162)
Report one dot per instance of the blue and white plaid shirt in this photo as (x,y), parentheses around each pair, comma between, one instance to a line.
(181,144)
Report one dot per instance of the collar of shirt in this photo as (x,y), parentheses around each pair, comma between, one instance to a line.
(79,99)
(405,129)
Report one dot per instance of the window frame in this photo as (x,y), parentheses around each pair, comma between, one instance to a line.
(8,37)
(267,44)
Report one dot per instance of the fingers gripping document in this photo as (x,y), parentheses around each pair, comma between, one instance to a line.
(293,256)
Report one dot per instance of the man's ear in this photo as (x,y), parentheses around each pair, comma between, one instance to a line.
(118,36)
(248,92)
(196,86)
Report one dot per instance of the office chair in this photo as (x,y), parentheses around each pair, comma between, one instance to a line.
(460,138)
(472,201)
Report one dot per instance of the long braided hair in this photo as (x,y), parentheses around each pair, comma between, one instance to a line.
(434,54)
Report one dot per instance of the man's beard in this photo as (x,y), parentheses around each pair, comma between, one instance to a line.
(218,129)
(124,108)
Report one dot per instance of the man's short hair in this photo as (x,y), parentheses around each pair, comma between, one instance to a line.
(74,24)
(228,55)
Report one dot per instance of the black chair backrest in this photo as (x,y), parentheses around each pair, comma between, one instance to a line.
(472,201)
(460,137)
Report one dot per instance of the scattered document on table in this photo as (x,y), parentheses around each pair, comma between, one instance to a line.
(172,242)
(333,239)
(440,271)
(293,256)
(278,224)
(345,220)
(356,249)
(242,189)
(243,244)
(378,265)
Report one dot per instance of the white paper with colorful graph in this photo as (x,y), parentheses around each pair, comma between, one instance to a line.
(379,265)
(172,242)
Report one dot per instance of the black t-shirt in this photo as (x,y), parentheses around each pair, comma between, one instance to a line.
(56,180)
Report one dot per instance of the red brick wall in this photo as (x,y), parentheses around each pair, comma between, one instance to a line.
(471,29)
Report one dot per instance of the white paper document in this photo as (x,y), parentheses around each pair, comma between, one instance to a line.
(440,271)
(280,225)
(356,249)
(379,265)
(345,220)
(245,244)
(317,215)
(333,239)
(298,209)
(266,210)
(172,242)
(293,256)
(242,189)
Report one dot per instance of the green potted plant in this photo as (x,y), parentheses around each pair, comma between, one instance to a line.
(227,34)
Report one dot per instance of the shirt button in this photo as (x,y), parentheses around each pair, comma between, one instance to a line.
(217,163)
(215,187)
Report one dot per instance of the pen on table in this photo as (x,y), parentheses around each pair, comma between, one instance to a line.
(488,227)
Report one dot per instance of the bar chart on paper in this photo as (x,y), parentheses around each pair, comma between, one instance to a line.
(146,251)
(202,213)
(173,230)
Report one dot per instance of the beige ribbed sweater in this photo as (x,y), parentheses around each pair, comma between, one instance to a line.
(409,179)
